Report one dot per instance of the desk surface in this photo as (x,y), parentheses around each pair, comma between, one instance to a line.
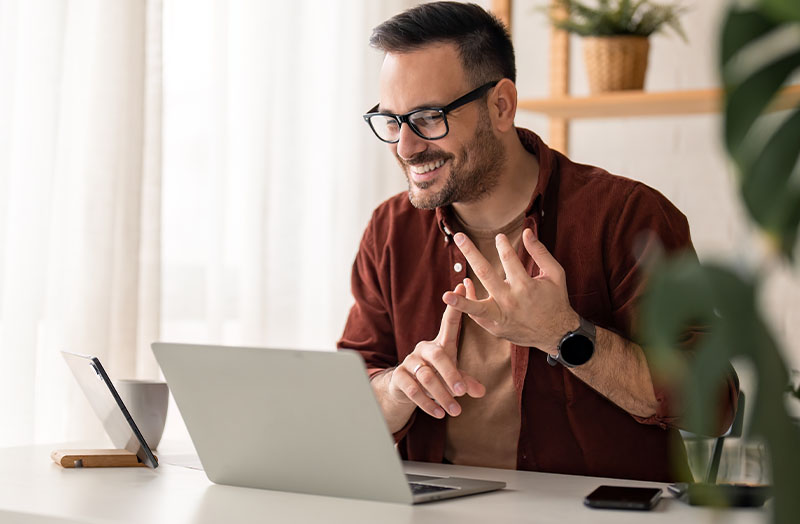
(33,489)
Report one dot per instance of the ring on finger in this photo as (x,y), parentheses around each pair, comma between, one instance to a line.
(417,368)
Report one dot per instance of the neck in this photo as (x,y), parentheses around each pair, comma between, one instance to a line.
(511,195)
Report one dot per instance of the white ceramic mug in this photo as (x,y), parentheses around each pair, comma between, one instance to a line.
(147,402)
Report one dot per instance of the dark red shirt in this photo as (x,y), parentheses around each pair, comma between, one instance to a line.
(598,226)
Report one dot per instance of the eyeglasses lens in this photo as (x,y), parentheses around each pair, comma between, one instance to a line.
(386,127)
(427,123)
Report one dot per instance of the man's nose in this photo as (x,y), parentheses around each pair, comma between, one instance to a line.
(410,143)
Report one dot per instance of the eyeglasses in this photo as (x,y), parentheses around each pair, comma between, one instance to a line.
(429,123)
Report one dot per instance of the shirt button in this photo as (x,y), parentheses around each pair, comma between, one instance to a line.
(458,267)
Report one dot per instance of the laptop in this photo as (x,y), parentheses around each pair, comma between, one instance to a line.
(290,420)
(108,406)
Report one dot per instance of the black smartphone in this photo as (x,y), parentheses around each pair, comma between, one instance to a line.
(623,497)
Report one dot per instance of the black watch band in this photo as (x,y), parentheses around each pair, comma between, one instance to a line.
(576,347)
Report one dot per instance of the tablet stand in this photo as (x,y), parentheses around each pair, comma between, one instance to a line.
(96,458)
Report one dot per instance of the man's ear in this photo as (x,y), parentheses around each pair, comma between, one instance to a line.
(503,105)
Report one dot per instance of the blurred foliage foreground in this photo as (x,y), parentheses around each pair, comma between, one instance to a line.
(760,51)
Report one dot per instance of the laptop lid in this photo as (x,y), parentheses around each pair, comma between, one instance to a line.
(108,406)
(289,420)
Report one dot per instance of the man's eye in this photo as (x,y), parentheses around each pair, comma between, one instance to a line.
(427,119)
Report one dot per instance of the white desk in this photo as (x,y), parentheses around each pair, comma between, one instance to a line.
(33,489)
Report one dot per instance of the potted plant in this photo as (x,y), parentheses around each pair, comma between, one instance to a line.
(616,37)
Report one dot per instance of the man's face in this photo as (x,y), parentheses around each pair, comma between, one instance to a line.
(463,166)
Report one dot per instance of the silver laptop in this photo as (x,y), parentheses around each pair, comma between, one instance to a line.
(288,420)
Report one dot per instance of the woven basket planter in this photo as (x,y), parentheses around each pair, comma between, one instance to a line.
(615,63)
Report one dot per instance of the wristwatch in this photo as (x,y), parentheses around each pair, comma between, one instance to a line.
(576,347)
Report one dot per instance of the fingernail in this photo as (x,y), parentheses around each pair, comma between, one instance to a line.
(450,299)
(454,409)
(459,238)
(459,388)
(438,413)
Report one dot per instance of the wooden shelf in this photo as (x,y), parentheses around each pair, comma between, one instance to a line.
(561,108)
(642,103)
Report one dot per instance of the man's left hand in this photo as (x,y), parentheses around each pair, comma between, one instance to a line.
(527,311)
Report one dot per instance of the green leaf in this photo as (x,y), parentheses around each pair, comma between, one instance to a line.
(625,10)
(766,189)
(782,9)
(746,98)
(759,55)
(739,28)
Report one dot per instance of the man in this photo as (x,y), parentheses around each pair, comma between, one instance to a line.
(529,361)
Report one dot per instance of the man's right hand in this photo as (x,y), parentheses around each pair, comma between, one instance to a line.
(428,378)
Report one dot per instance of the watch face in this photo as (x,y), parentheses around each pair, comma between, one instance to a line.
(576,349)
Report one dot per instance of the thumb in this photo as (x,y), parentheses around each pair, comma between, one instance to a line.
(539,253)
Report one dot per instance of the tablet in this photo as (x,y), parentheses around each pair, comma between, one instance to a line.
(108,406)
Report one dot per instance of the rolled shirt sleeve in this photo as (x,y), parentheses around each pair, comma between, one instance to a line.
(649,225)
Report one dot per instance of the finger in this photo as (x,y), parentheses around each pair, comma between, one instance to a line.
(451,322)
(482,268)
(433,384)
(476,308)
(405,382)
(443,362)
(546,262)
(474,388)
(471,292)
(512,265)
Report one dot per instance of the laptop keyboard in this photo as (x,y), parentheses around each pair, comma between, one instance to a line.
(421,489)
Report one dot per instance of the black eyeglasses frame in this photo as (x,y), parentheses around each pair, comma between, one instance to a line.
(473,95)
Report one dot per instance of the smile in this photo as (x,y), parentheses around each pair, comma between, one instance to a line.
(424,168)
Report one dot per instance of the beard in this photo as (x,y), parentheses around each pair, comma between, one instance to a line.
(474,171)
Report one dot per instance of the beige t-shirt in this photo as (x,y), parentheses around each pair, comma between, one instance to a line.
(487,430)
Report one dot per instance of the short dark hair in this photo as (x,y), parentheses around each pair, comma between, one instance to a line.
(483,42)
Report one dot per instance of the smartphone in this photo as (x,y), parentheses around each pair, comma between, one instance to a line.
(623,497)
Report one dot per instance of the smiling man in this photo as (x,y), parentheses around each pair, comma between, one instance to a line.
(495,300)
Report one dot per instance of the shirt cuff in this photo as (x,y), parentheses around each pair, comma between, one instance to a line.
(666,416)
(662,417)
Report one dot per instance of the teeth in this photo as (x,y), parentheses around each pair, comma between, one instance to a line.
(424,168)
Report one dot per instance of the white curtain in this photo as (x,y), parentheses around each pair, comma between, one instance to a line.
(242,232)
(270,173)
(79,192)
